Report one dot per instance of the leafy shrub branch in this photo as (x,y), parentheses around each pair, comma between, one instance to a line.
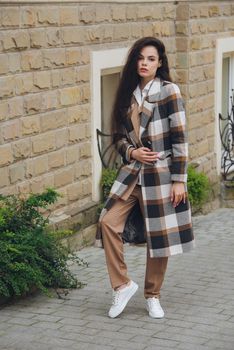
(31,254)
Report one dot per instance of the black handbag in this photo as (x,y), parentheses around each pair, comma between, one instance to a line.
(134,229)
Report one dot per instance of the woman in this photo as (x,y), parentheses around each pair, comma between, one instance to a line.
(149,131)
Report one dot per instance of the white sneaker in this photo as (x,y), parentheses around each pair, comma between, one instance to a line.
(121,298)
(154,308)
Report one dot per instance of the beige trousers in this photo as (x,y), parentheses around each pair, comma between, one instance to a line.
(112,226)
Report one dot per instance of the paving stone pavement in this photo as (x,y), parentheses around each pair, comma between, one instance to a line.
(197,296)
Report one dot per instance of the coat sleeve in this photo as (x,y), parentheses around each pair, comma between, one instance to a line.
(124,147)
(178,134)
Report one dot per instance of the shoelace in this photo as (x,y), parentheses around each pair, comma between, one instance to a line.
(116,295)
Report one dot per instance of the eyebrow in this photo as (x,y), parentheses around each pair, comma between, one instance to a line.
(148,56)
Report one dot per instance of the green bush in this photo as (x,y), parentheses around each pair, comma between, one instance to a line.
(31,255)
(107,180)
(198,185)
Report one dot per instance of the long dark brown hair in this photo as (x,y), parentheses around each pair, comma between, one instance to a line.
(130,79)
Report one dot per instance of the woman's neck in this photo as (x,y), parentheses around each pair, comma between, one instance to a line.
(143,82)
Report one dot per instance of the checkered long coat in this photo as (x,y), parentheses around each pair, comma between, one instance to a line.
(163,128)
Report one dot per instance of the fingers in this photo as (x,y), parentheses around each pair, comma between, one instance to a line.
(147,156)
(176,198)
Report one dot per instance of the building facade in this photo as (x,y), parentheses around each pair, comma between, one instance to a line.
(58,61)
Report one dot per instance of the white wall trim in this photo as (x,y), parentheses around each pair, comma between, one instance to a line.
(100,60)
(223,45)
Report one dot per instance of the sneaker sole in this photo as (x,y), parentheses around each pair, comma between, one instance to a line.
(130,295)
(147,308)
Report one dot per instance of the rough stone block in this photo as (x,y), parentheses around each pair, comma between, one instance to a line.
(50,100)
(74,35)
(41,79)
(131,12)
(4,177)
(76,133)
(85,94)
(6,86)
(30,125)
(147,29)
(15,107)
(70,96)
(53,120)
(182,11)
(72,154)
(85,150)
(87,14)
(103,13)
(11,130)
(48,15)
(61,138)
(136,31)
(21,149)
(4,64)
(7,39)
(10,16)
(118,12)
(31,60)
(67,76)
(169,11)
(16,172)
(6,155)
(4,112)
(33,103)
(195,43)
(54,57)
(82,74)
(68,15)
(121,31)
(28,16)
(14,62)
(182,28)
(63,177)
(182,60)
(22,39)
(56,159)
(95,33)
(213,10)
(38,38)
(43,143)
(73,56)
(83,169)
(40,165)
(23,187)
(24,83)
(76,114)
(55,78)
(182,44)
(53,37)
(74,191)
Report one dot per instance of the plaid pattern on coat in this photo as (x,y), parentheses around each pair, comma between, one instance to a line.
(163,129)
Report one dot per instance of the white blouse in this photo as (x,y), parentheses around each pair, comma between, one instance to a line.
(153,86)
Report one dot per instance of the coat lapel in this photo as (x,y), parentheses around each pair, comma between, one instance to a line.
(146,111)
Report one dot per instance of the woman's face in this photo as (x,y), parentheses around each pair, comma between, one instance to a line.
(148,63)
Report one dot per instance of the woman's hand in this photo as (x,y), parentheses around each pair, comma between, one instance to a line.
(144,155)
(177,193)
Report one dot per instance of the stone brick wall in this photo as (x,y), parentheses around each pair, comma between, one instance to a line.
(45,133)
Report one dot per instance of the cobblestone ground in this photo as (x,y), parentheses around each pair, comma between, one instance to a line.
(197,296)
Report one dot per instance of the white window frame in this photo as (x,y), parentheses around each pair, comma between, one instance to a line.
(224,46)
(101,61)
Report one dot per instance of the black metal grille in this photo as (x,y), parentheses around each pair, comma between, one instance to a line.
(227,139)
(110,158)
